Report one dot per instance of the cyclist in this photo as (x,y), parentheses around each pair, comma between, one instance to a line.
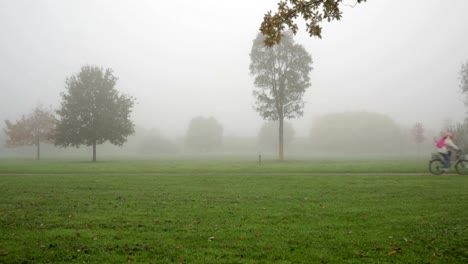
(444,147)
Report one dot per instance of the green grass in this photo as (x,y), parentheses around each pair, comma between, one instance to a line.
(220,165)
(218,217)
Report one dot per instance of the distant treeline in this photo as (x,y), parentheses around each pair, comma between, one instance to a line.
(336,134)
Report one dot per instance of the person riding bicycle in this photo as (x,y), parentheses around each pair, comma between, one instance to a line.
(444,147)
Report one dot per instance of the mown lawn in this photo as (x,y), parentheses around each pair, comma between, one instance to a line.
(239,165)
(223,217)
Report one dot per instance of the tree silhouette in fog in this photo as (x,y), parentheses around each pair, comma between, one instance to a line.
(418,134)
(36,127)
(281,77)
(93,111)
(204,134)
(355,132)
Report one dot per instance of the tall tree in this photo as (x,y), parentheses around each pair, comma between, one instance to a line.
(281,78)
(204,134)
(312,11)
(36,127)
(93,111)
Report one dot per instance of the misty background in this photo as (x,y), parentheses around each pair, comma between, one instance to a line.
(183,59)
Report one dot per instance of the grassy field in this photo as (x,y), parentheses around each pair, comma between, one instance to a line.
(219,211)
(211,164)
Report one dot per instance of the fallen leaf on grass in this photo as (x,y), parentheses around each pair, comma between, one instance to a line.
(395,249)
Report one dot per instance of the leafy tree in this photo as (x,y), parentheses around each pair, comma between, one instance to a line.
(93,111)
(30,130)
(312,11)
(268,135)
(464,80)
(204,134)
(281,77)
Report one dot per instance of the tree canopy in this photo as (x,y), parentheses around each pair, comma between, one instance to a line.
(93,111)
(312,11)
(281,77)
(36,127)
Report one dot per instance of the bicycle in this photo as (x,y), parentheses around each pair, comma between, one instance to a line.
(436,164)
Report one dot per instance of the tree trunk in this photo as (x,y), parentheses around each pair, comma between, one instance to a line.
(280,145)
(38,150)
(94,151)
(281,117)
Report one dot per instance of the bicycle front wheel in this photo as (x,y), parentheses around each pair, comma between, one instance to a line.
(436,166)
(462,167)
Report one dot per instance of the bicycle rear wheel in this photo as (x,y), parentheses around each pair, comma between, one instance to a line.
(436,166)
(462,167)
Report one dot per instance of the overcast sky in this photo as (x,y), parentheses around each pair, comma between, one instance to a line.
(185,58)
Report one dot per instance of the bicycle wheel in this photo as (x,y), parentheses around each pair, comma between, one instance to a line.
(462,167)
(436,166)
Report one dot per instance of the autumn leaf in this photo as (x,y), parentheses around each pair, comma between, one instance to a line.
(395,249)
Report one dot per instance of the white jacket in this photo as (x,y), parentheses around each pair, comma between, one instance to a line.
(448,145)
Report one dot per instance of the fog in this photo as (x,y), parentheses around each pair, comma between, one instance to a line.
(182,59)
